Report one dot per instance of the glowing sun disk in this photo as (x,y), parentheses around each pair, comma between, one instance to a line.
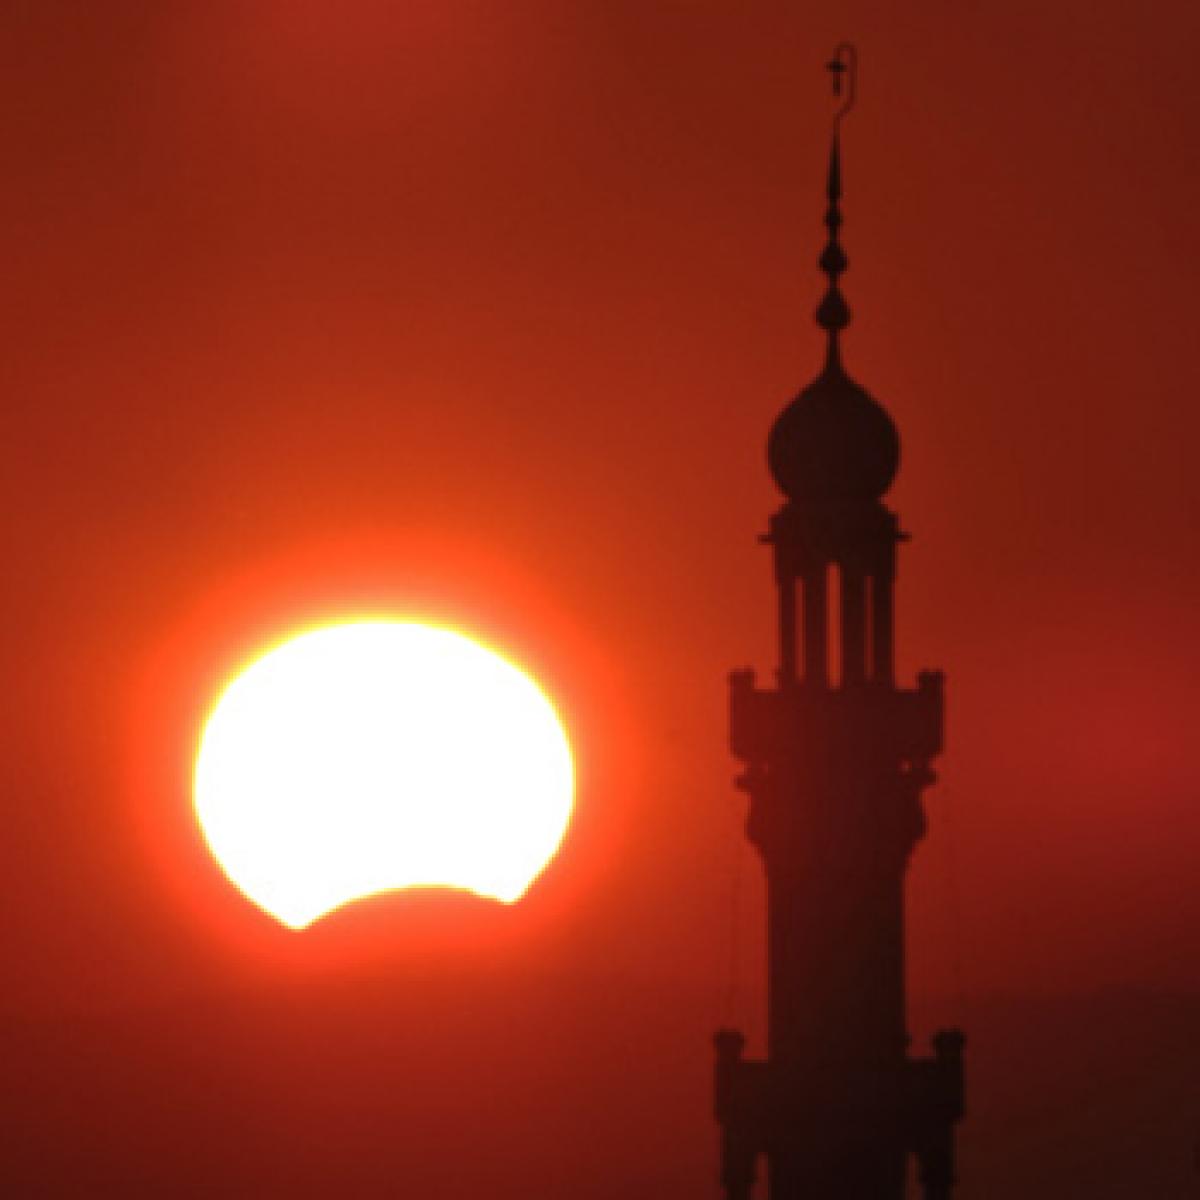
(376,755)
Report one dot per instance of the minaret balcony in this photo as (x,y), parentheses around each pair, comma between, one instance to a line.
(895,725)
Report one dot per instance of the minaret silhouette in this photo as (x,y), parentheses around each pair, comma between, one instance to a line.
(836,757)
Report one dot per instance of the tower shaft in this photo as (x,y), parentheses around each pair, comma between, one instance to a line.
(836,757)
(835,761)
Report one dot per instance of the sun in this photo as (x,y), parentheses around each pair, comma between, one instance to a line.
(369,756)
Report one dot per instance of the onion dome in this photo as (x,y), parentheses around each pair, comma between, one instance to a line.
(834,441)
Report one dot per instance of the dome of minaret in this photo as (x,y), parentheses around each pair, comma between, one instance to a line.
(833,442)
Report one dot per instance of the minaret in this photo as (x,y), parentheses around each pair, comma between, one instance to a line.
(836,757)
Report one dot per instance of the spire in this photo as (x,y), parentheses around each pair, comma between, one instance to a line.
(833,314)
(834,442)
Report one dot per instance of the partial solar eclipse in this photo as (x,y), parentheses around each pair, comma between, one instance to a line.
(366,757)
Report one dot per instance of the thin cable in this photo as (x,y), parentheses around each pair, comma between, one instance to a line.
(734,942)
(953,905)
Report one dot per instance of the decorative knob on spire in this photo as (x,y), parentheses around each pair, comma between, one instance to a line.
(834,442)
(833,315)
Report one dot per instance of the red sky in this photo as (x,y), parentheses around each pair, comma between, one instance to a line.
(485,309)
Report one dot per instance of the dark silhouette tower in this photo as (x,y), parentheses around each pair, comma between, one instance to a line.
(836,758)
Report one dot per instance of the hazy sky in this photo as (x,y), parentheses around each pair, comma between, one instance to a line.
(483,310)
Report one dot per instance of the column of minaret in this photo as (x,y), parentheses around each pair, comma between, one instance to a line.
(836,758)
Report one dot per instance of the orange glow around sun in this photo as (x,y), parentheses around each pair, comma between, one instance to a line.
(374,755)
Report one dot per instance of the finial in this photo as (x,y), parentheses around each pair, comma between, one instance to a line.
(833,314)
(844,63)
